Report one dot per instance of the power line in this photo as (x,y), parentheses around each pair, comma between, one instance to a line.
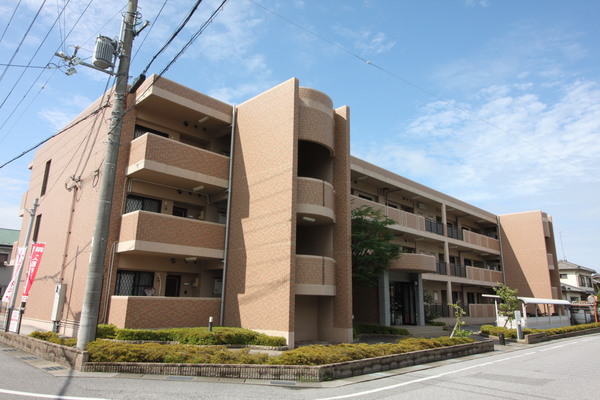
(96,111)
(414,85)
(23,39)
(25,66)
(10,20)
(149,30)
(173,35)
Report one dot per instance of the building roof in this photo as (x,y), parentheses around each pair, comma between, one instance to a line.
(8,236)
(571,288)
(565,265)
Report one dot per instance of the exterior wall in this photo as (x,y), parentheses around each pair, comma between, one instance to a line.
(162,312)
(261,255)
(67,210)
(525,250)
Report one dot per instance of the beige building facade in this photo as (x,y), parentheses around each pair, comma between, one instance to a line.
(243,213)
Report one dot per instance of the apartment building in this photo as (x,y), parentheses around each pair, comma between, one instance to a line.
(450,251)
(242,213)
(236,213)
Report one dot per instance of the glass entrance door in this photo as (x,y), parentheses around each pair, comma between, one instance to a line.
(402,303)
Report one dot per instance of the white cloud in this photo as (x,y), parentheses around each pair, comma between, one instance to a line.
(366,41)
(57,117)
(511,145)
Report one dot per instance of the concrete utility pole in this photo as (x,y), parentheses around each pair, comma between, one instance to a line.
(11,307)
(91,301)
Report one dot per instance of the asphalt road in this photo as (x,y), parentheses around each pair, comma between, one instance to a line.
(562,369)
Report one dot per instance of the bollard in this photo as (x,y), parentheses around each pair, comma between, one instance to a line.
(210,322)
(501,339)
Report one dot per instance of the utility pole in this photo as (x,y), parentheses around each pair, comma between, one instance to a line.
(11,307)
(91,301)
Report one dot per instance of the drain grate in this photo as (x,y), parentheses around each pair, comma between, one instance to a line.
(53,368)
(9,349)
(28,358)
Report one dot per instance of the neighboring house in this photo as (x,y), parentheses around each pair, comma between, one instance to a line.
(7,238)
(577,282)
(242,213)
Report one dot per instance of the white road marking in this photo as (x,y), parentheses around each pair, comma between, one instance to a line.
(381,389)
(48,396)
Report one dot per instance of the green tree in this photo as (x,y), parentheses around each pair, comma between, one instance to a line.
(458,330)
(372,247)
(510,302)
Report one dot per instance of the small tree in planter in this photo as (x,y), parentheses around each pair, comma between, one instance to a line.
(510,302)
(459,313)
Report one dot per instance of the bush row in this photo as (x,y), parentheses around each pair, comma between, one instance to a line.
(108,351)
(53,338)
(375,329)
(512,333)
(202,336)
(195,336)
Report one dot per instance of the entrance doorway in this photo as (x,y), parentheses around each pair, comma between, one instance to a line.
(402,303)
(172,285)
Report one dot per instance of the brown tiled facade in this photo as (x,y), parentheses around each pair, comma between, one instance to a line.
(243,214)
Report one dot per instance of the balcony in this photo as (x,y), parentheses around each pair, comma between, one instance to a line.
(162,160)
(315,121)
(440,268)
(419,263)
(315,275)
(147,232)
(481,240)
(316,200)
(402,218)
(485,275)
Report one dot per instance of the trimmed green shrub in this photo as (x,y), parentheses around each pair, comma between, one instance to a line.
(106,331)
(375,329)
(164,335)
(108,351)
(320,354)
(53,338)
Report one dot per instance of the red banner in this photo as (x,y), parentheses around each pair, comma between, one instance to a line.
(17,267)
(34,263)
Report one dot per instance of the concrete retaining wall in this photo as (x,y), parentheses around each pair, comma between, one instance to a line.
(295,373)
(77,360)
(543,337)
(63,355)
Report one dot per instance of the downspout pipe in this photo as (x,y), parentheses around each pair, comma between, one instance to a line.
(227,225)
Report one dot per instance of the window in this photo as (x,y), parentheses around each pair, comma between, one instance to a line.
(36,229)
(45,181)
(563,276)
(133,283)
(180,211)
(135,203)
(581,280)
(140,130)
(3,258)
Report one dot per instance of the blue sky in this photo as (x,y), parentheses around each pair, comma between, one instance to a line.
(494,102)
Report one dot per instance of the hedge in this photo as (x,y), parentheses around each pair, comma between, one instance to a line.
(375,329)
(512,333)
(110,351)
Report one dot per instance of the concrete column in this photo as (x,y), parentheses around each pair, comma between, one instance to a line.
(384,299)
(444,220)
(448,293)
(419,301)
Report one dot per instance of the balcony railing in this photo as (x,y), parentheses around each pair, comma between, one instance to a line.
(156,158)
(434,226)
(408,262)
(315,275)
(418,222)
(440,267)
(486,275)
(458,270)
(316,197)
(160,233)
